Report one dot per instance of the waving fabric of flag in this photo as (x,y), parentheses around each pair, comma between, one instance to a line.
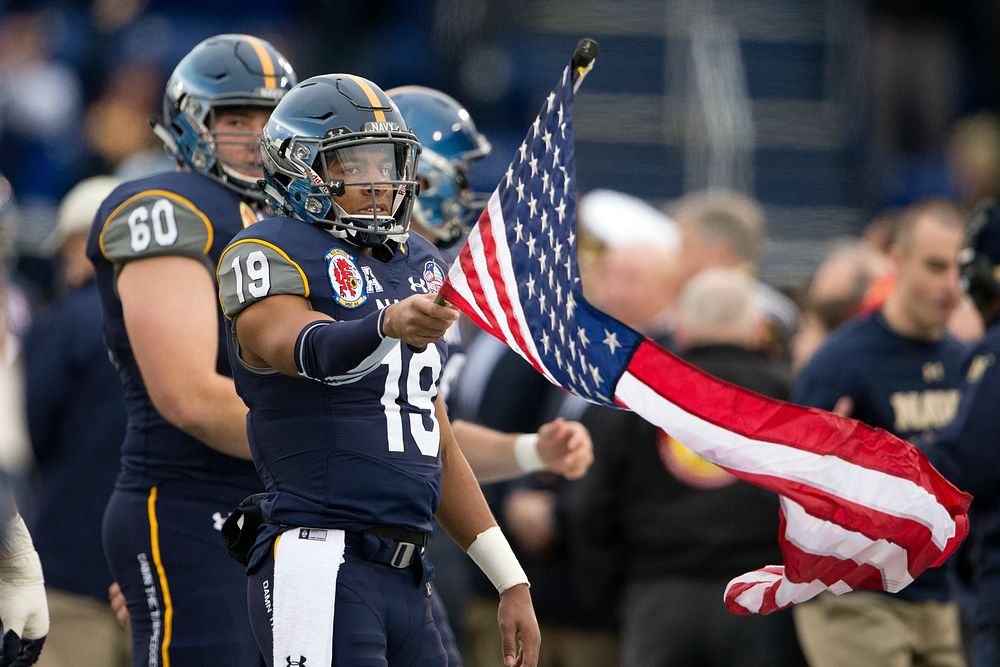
(860,508)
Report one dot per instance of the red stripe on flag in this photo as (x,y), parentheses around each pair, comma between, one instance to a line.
(472,279)
(909,534)
(448,292)
(761,418)
(490,251)
(803,567)
(768,605)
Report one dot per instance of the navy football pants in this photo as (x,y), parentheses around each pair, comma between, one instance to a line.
(186,597)
(329,598)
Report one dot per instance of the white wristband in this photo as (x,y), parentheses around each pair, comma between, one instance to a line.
(526,453)
(492,553)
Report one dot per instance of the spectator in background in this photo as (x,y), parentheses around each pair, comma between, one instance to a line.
(725,229)
(835,295)
(76,419)
(719,328)
(628,260)
(117,123)
(659,532)
(40,106)
(896,369)
(880,235)
(15,315)
(967,451)
(973,155)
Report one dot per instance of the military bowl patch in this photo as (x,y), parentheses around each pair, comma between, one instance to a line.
(433,276)
(345,279)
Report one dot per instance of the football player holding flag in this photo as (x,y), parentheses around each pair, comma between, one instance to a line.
(346,423)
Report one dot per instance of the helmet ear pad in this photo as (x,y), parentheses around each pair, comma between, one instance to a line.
(190,135)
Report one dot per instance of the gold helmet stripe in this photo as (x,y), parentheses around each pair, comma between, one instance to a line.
(266,64)
(372,97)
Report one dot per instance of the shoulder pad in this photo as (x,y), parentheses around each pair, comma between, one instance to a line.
(155,222)
(251,269)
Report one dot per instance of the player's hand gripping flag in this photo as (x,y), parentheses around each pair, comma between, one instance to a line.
(860,508)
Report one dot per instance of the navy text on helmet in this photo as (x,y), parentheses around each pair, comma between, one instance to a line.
(337,153)
(225,71)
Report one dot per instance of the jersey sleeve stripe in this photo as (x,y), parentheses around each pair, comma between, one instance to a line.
(158,193)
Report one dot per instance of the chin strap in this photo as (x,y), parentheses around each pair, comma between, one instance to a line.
(164,135)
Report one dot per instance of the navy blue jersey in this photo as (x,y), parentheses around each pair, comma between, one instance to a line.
(907,387)
(967,452)
(347,453)
(174,213)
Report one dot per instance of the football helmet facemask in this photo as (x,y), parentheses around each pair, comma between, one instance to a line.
(338,154)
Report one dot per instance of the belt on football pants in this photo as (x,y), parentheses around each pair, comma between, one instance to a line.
(404,546)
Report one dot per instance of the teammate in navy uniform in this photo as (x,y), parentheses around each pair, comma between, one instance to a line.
(967,451)
(335,345)
(155,244)
(899,370)
(443,213)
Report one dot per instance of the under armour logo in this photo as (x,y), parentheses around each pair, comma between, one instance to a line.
(301,662)
(218,518)
(418,285)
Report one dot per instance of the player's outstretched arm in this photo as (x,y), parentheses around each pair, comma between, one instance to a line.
(467,519)
(268,329)
(170,310)
(24,612)
(284,333)
(560,446)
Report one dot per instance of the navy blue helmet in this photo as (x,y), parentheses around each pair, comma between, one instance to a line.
(337,153)
(980,259)
(450,141)
(222,71)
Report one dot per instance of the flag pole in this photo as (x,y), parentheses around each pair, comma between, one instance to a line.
(586,52)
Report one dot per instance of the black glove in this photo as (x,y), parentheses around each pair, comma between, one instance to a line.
(19,652)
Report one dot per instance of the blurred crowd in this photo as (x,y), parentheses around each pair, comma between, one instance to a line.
(629,563)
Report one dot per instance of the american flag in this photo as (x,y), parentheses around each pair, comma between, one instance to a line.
(860,508)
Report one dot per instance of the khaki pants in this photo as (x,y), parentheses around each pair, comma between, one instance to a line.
(561,647)
(82,631)
(863,629)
